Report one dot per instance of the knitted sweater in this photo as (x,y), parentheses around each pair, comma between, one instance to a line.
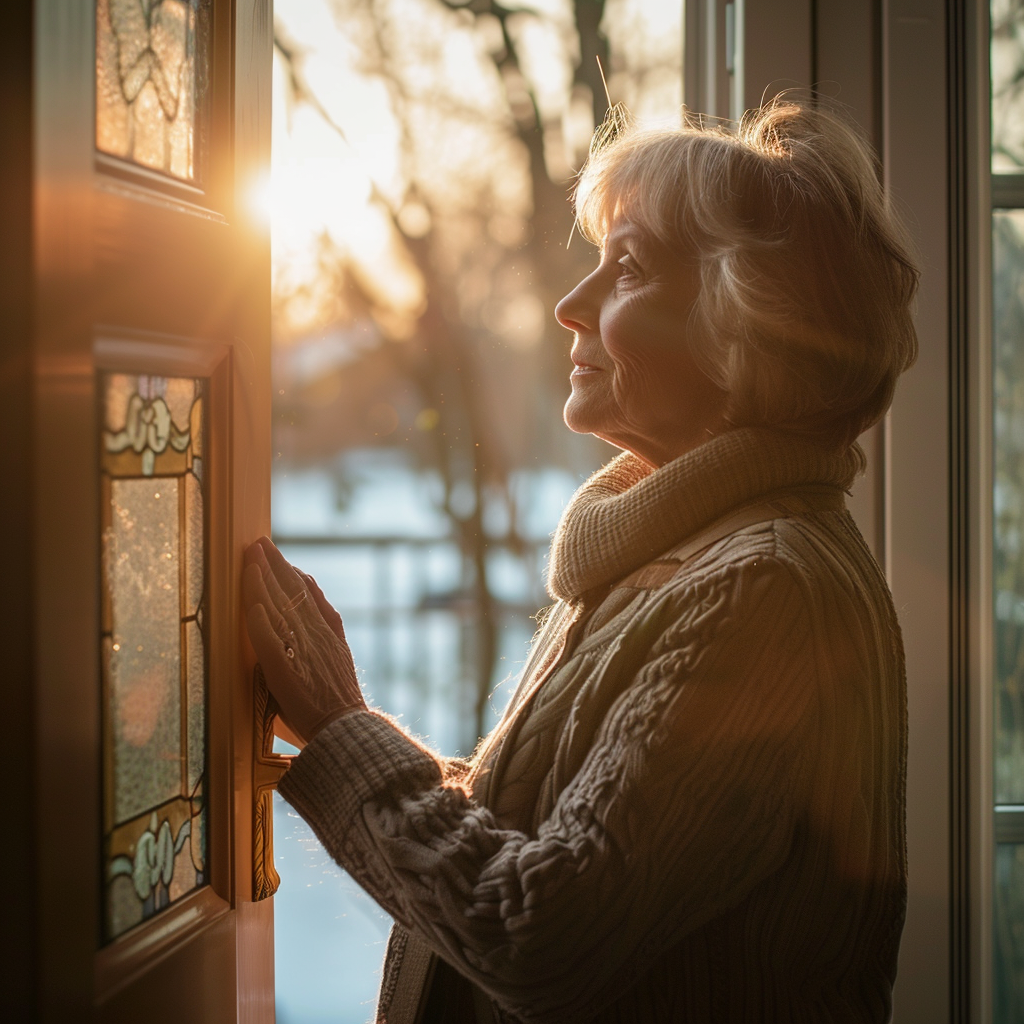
(693,808)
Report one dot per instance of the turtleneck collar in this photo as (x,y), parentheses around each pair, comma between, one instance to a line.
(627,513)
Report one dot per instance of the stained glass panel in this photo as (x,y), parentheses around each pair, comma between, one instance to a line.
(153,647)
(152,66)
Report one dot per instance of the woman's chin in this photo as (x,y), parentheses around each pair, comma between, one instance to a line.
(577,417)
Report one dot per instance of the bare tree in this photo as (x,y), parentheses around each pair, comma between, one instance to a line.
(444,359)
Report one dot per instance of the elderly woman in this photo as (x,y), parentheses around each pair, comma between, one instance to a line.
(693,808)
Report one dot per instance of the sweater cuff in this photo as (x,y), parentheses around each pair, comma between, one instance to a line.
(359,758)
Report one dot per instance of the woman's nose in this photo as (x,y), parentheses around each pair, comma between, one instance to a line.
(575,311)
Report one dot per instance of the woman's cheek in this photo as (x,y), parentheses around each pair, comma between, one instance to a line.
(636,379)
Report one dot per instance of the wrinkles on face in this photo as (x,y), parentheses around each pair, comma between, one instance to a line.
(635,387)
(636,383)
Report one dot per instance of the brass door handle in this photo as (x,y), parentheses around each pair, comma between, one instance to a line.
(267,771)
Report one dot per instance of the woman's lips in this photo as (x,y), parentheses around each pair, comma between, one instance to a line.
(581,369)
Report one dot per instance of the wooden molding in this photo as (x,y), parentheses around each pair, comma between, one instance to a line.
(135,952)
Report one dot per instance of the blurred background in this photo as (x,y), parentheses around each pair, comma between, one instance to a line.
(424,153)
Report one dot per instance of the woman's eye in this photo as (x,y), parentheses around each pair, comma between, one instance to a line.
(631,267)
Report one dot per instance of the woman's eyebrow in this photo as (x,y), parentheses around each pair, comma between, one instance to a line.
(623,235)
(631,238)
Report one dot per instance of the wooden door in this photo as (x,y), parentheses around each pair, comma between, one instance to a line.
(151,457)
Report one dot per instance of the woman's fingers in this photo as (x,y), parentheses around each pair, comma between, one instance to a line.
(252,553)
(270,648)
(281,598)
(287,576)
(326,609)
(255,592)
(299,640)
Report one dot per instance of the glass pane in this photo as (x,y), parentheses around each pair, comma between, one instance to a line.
(154,664)
(141,553)
(420,459)
(152,67)
(1008,892)
(1008,557)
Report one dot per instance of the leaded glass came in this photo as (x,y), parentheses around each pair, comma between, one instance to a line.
(152,66)
(153,646)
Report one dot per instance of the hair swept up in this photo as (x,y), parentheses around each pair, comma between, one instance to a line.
(807,281)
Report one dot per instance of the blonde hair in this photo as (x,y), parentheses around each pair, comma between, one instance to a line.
(804,311)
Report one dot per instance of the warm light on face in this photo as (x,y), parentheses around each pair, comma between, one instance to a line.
(635,381)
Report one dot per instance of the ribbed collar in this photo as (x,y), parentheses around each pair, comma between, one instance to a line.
(626,514)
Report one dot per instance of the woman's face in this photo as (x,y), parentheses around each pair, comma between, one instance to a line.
(634,381)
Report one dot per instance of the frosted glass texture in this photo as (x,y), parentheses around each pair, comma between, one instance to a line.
(153,649)
(152,65)
(145,663)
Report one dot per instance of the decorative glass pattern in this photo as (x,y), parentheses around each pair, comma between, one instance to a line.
(153,644)
(152,68)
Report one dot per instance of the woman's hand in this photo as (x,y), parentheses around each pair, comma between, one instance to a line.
(300,642)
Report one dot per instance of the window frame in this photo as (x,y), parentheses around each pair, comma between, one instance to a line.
(127,956)
(914,73)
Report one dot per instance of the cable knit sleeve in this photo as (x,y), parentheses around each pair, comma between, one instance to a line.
(685,802)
